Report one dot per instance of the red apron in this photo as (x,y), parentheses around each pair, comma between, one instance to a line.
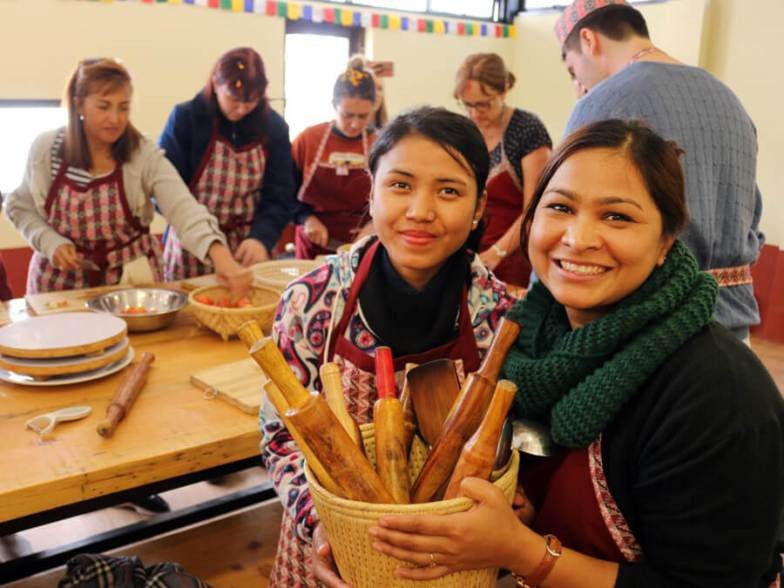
(226,182)
(504,206)
(574,503)
(292,563)
(98,220)
(339,195)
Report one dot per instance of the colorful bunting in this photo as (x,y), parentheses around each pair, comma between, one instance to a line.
(347,17)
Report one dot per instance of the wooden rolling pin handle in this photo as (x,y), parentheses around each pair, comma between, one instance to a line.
(249,332)
(126,394)
(332,386)
(505,336)
(478,454)
(266,353)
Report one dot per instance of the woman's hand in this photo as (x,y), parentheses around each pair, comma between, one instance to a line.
(316,231)
(251,251)
(488,535)
(66,258)
(229,273)
(490,258)
(323,565)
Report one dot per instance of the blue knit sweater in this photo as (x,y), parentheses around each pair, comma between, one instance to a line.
(187,136)
(690,106)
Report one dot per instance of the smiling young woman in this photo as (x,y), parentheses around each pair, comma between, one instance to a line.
(656,409)
(417,286)
(331,167)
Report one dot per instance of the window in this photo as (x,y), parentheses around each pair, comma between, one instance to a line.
(471,8)
(543,4)
(21,122)
(315,54)
(466,8)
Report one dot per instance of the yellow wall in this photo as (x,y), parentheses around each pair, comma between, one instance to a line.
(743,49)
(170,49)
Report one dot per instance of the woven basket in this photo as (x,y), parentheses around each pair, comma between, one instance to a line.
(347,523)
(278,274)
(226,321)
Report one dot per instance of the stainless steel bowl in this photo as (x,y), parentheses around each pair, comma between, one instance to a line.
(161,306)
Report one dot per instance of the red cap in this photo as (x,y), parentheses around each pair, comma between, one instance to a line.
(385,373)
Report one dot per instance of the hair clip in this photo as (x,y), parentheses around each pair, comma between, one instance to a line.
(356,76)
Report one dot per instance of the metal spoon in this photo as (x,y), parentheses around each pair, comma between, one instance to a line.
(533,438)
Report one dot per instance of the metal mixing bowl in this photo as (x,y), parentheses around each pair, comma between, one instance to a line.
(161,306)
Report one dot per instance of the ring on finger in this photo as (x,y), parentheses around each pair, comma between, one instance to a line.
(432,560)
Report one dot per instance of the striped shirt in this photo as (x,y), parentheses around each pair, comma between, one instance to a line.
(80,177)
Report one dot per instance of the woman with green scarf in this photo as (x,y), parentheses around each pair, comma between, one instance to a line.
(670,469)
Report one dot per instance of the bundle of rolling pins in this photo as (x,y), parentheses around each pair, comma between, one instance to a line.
(330,439)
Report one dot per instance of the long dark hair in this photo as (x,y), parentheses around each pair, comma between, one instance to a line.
(457,134)
(656,159)
(89,77)
(242,71)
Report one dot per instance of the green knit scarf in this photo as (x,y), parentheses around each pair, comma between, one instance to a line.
(583,377)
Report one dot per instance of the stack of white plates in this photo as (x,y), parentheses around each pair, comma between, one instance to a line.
(63,349)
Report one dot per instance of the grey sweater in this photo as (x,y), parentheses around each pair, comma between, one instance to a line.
(690,106)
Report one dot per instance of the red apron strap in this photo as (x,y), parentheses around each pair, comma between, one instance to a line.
(353,295)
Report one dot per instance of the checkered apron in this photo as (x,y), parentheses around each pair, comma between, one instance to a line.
(227,183)
(98,220)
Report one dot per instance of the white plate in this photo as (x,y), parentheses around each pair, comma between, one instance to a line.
(61,335)
(13,378)
(60,366)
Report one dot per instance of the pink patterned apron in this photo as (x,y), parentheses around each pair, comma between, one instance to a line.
(504,205)
(357,367)
(226,182)
(98,220)
(339,195)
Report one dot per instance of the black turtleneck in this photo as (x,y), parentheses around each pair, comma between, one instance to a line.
(410,320)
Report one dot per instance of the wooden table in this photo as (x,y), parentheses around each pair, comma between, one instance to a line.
(172,433)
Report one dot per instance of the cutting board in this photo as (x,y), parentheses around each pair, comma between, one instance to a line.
(239,383)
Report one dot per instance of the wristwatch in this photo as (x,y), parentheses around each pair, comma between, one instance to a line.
(552,551)
(498,251)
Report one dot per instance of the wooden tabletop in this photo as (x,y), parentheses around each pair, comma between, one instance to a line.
(171,430)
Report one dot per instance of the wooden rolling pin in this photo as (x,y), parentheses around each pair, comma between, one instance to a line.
(390,432)
(126,394)
(464,418)
(320,430)
(333,393)
(250,332)
(408,410)
(478,455)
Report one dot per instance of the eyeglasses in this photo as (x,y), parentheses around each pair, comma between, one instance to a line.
(479,106)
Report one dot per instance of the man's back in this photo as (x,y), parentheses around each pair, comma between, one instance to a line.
(688,105)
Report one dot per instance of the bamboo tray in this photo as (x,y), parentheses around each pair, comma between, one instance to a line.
(62,335)
(62,366)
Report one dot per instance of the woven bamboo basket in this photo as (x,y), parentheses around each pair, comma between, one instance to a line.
(279,273)
(226,321)
(347,523)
